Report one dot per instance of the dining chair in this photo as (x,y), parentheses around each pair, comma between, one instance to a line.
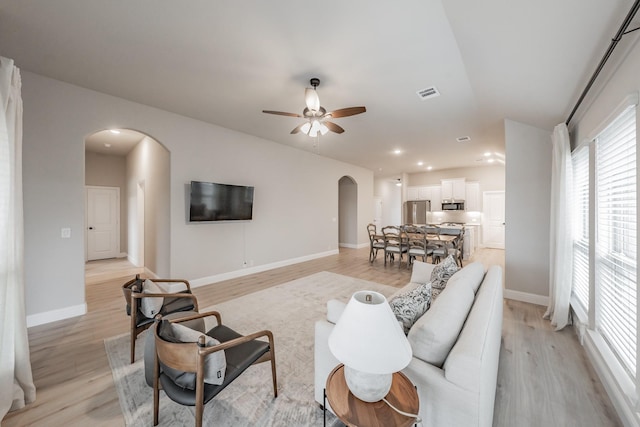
(395,243)
(417,244)
(376,242)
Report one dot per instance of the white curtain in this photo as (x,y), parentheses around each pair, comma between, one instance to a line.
(561,244)
(16,381)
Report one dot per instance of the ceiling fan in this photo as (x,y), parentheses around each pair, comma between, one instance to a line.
(317,115)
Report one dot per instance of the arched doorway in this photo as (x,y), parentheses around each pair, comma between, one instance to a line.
(347,212)
(137,167)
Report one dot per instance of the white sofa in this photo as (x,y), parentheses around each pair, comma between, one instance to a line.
(456,347)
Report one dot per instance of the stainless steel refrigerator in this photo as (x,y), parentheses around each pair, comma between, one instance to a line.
(417,212)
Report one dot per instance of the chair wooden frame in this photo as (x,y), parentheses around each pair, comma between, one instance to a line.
(417,244)
(189,357)
(134,296)
(395,242)
(376,242)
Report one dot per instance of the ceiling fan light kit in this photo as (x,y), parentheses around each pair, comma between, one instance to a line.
(317,115)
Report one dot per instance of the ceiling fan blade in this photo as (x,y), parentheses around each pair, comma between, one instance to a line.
(281,113)
(298,128)
(345,112)
(333,127)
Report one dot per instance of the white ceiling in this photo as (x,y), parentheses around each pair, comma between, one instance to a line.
(224,62)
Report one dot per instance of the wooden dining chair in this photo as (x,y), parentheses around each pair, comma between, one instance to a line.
(376,242)
(395,243)
(417,244)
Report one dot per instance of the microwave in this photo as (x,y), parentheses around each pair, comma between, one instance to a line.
(454,205)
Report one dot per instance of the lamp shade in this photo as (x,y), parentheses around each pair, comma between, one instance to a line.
(368,336)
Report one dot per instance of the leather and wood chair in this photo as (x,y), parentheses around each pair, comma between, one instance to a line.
(395,243)
(376,242)
(240,353)
(173,303)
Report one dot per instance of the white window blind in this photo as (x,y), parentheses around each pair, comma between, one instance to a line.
(580,288)
(616,257)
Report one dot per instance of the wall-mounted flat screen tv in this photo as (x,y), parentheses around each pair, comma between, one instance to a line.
(220,202)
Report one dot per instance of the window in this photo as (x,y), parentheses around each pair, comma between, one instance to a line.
(580,288)
(616,235)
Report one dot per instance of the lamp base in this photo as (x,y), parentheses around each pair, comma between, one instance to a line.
(367,387)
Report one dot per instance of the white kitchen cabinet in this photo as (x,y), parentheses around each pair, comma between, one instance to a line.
(469,242)
(412,193)
(427,192)
(434,194)
(472,200)
(455,189)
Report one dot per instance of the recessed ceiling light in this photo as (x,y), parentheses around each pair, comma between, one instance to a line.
(115,131)
(420,163)
(490,160)
(487,154)
(397,151)
(107,145)
(429,168)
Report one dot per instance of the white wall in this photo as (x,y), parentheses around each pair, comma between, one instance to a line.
(296,196)
(527,207)
(149,163)
(110,171)
(391,196)
(491,178)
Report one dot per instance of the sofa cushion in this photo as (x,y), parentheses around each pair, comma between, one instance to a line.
(421,272)
(435,333)
(215,364)
(442,272)
(409,306)
(472,274)
(152,305)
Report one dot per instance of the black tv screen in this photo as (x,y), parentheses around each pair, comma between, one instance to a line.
(220,202)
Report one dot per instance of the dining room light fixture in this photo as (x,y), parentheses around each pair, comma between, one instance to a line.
(399,183)
(114,131)
(370,343)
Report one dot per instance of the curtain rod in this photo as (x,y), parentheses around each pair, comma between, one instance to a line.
(614,42)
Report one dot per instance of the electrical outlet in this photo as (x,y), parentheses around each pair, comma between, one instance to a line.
(244,264)
(65,233)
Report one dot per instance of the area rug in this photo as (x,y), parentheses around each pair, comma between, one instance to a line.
(289,311)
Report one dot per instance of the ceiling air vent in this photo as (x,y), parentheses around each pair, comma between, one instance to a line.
(463,139)
(430,92)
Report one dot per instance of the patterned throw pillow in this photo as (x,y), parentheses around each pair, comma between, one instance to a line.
(443,272)
(409,306)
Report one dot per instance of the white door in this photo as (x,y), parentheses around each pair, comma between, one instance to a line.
(103,225)
(493,225)
(377,212)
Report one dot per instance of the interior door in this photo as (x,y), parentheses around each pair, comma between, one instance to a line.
(494,220)
(103,225)
(377,212)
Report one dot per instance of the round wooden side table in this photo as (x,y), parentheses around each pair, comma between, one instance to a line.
(353,411)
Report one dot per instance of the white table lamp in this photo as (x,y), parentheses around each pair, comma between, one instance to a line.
(370,342)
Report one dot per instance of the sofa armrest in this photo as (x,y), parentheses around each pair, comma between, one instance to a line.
(334,310)
(324,361)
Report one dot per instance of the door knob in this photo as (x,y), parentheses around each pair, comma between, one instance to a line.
(90,228)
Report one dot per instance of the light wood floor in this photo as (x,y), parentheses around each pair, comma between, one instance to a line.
(544,377)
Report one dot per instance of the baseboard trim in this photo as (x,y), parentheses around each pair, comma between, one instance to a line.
(526,297)
(353,246)
(258,269)
(619,397)
(55,315)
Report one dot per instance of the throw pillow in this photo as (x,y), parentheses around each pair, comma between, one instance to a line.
(215,364)
(409,306)
(443,271)
(152,305)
